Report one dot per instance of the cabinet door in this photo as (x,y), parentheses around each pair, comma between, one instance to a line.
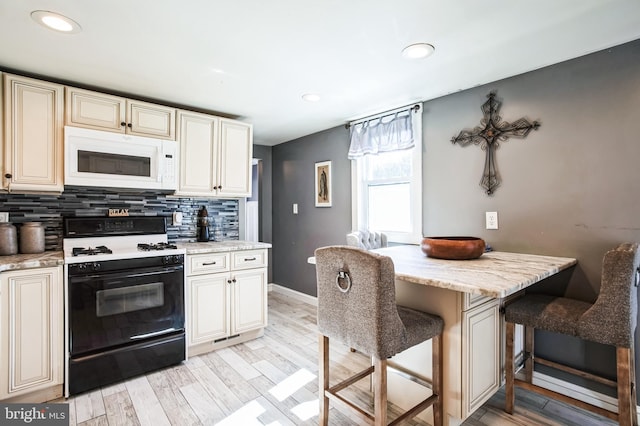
(197,136)
(208,307)
(33,117)
(95,110)
(248,300)
(236,150)
(480,355)
(151,120)
(31,330)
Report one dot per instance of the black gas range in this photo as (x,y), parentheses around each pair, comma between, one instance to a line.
(125,299)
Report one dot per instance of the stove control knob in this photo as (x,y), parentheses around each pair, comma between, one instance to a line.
(171,260)
(95,266)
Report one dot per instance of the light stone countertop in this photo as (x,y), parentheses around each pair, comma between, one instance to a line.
(221,246)
(494,274)
(27,261)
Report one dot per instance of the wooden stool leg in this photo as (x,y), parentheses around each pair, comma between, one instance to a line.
(437,356)
(625,387)
(509,368)
(380,392)
(634,396)
(529,333)
(323,379)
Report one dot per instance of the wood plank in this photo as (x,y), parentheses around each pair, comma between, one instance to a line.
(173,402)
(88,406)
(148,408)
(119,409)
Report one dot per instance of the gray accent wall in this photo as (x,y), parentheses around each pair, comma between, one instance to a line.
(296,236)
(571,188)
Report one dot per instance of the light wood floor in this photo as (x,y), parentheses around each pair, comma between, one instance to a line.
(272,381)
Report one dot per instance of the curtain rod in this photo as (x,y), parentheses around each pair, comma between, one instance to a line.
(414,107)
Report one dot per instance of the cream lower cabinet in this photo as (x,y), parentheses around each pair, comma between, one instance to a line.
(472,345)
(33,135)
(95,110)
(31,335)
(215,156)
(227,299)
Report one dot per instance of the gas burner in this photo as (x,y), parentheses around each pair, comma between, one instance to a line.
(77,251)
(156,246)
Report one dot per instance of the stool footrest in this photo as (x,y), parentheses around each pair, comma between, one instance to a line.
(567,399)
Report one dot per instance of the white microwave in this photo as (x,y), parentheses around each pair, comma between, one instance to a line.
(105,159)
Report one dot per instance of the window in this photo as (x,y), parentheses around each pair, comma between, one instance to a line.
(387,191)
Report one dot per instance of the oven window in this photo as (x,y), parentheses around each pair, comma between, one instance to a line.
(128,299)
(113,164)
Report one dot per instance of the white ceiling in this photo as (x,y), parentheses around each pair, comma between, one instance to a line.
(254,59)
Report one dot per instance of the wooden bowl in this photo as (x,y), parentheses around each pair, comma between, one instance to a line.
(453,248)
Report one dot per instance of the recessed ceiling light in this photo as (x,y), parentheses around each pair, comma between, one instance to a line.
(311,97)
(418,51)
(56,22)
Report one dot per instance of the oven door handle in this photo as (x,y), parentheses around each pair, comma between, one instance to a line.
(120,274)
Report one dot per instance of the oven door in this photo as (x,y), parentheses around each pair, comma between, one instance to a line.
(111,309)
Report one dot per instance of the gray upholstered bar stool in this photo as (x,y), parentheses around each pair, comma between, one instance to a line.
(611,320)
(357,306)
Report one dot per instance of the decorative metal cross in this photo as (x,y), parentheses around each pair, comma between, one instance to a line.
(488,134)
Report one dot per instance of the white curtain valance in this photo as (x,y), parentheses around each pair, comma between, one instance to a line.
(391,132)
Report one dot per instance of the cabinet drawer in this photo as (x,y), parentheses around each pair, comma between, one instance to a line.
(207,263)
(472,300)
(249,259)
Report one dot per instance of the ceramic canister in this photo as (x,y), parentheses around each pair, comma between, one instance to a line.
(32,237)
(8,239)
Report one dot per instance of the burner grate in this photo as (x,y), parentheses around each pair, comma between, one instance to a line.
(156,246)
(77,251)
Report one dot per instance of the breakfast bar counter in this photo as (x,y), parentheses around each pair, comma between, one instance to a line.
(468,295)
(494,274)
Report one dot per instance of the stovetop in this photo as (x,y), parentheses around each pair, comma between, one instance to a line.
(101,239)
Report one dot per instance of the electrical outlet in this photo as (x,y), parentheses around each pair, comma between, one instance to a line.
(491,220)
(4,216)
(295,208)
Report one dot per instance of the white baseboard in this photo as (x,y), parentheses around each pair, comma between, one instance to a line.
(312,300)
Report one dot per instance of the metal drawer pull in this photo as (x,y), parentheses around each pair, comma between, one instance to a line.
(248,259)
(208,263)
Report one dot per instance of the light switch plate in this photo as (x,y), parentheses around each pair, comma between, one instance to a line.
(4,216)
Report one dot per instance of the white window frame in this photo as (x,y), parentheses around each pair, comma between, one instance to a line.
(358,191)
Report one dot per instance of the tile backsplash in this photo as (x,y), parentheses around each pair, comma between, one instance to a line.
(80,201)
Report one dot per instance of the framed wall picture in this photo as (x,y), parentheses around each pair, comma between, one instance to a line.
(323,184)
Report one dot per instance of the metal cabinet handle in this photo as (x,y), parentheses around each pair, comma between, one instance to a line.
(234,280)
(208,263)
(8,175)
(122,123)
(249,259)
(129,125)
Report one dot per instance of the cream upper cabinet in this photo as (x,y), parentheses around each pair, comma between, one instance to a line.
(33,135)
(31,335)
(236,151)
(198,139)
(215,156)
(95,110)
